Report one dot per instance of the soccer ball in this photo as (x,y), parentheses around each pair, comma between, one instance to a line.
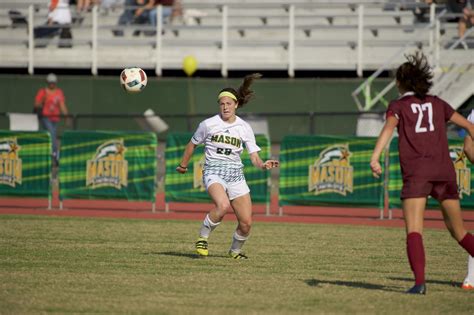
(133,80)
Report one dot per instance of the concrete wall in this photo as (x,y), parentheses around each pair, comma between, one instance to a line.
(103,95)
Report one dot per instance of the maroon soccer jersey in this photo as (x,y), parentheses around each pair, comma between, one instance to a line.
(422,142)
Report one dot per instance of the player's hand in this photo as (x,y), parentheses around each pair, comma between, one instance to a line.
(269,164)
(376,168)
(466,12)
(181,169)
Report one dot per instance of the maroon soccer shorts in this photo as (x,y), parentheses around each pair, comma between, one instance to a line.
(439,190)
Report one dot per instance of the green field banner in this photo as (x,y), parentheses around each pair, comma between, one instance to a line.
(108,165)
(464,176)
(25,164)
(328,170)
(190,188)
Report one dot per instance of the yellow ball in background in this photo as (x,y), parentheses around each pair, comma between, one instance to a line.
(189,65)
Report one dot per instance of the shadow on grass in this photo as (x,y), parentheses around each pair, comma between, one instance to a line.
(441,282)
(351,284)
(184,254)
(176,254)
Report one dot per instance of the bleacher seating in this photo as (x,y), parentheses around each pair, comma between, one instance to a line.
(325,36)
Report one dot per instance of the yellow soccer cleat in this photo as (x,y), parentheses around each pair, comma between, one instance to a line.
(201,246)
(467,285)
(237,255)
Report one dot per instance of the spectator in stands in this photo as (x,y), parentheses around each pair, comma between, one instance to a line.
(49,105)
(466,8)
(468,283)
(110,4)
(83,6)
(422,13)
(136,12)
(167,11)
(177,10)
(59,21)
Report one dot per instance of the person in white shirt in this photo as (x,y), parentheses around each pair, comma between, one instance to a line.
(58,23)
(468,283)
(224,136)
(59,12)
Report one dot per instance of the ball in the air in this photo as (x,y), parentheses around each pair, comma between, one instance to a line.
(133,80)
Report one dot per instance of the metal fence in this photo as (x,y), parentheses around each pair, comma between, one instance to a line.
(226,36)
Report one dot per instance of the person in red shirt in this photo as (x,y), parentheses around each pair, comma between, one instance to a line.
(426,167)
(50,104)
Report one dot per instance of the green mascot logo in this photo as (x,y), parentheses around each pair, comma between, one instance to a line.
(108,167)
(332,171)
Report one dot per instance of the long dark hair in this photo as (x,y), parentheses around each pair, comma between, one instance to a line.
(415,75)
(243,93)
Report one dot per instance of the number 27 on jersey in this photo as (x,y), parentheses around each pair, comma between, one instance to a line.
(421,110)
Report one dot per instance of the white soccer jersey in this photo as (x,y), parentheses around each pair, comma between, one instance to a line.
(223,145)
(471,117)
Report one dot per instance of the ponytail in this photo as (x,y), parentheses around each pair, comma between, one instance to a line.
(415,75)
(243,94)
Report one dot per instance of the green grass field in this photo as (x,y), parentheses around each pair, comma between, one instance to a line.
(76,265)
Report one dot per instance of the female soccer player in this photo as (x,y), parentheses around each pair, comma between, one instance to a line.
(468,283)
(223,136)
(425,163)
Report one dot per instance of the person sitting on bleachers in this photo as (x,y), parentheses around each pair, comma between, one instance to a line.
(84,5)
(136,12)
(466,8)
(421,13)
(466,21)
(107,5)
(59,21)
(167,10)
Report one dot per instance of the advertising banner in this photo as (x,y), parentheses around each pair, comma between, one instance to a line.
(328,170)
(108,165)
(25,163)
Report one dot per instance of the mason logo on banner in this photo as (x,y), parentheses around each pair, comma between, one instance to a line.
(108,167)
(463,172)
(197,171)
(332,171)
(10,163)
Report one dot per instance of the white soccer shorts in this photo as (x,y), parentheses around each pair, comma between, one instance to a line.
(233,189)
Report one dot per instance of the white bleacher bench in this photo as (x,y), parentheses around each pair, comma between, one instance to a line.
(299,33)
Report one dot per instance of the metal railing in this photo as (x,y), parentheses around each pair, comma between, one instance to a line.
(290,43)
(434,56)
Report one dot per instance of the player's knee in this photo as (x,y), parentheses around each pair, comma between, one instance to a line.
(245,226)
(224,207)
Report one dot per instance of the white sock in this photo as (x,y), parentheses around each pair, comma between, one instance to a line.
(470,270)
(237,242)
(207,227)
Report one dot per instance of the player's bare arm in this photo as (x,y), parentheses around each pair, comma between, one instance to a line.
(469,148)
(188,153)
(462,122)
(258,162)
(382,142)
